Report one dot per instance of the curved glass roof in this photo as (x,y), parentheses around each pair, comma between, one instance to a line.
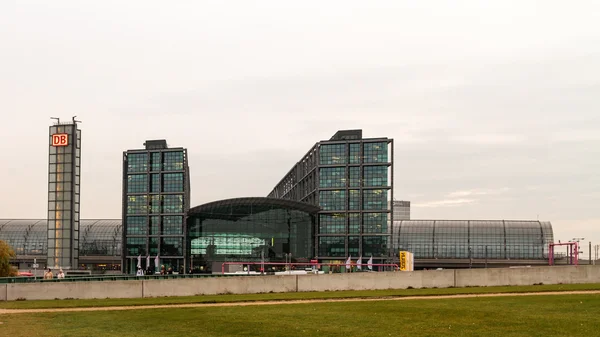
(456,239)
(241,207)
(29,237)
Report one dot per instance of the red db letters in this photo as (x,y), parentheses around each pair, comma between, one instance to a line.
(60,139)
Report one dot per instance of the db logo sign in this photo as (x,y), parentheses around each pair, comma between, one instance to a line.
(60,139)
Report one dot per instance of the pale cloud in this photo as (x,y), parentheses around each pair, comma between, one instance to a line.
(444,203)
(576,136)
(490,138)
(461,198)
(473,192)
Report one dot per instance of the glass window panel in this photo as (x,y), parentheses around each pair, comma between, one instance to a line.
(354,223)
(137,204)
(155,204)
(353,246)
(355,153)
(155,183)
(172,204)
(332,177)
(137,183)
(172,225)
(137,225)
(375,199)
(375,176)
(332,246)
(137,162)
(354,176)
(154,246)
(171,247)
(354,200)
(375,152)
(154,225)
(332,154)
(136,246)
(173,161)
(375,223)
(172,182)
(332,223)
(332,200)
(376,246)
(156,161)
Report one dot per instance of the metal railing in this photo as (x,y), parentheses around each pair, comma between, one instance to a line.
(288,265)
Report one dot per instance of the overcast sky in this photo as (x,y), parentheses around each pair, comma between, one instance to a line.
(494,106)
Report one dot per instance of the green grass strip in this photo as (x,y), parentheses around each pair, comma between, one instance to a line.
(74,303)
(505,316)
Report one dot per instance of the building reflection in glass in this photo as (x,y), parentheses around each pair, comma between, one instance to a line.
(250,229)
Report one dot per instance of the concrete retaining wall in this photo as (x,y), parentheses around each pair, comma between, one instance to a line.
(527,276)
(214,286)
(63,290)
(301,283)
(375,281)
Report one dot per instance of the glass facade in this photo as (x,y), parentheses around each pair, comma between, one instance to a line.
(453,239)
(353,191)
(63,196)
(100,243)
(156,197)
(99,240)
(248,229)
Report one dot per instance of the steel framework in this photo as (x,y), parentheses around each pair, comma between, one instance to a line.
(572,250)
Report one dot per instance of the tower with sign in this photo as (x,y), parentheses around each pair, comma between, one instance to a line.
(63,195)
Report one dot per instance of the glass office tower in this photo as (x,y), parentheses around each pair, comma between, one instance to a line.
(63,195)
(351,179)
(156,194)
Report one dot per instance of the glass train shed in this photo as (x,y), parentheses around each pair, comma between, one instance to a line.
(99,242)
(473,239)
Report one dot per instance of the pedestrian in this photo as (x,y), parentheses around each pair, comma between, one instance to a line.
(60,274)
(170,270)
(48,275)
(162,270)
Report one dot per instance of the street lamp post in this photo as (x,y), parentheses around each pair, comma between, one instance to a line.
(286,255)
(288,262)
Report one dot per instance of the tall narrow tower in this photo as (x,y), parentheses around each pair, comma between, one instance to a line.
(63,195)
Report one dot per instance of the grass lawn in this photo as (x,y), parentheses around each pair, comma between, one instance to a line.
(557,315)
(290,296)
